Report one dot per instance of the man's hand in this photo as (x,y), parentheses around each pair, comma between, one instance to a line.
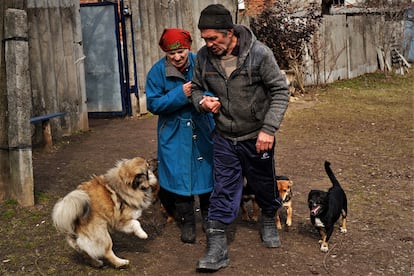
(264,142)
(210,104)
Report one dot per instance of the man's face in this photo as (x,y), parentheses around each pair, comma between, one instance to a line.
(217,42)
(178,57)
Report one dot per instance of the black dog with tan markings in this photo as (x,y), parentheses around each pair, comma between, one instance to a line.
(326,208)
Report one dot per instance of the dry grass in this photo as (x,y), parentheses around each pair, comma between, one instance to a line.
(364,126)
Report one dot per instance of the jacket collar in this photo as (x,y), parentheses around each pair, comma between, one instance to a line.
(246,39)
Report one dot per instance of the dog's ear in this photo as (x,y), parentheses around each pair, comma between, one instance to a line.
(279,184)
(283,183)
(312,193)
(323,195)
(153,164)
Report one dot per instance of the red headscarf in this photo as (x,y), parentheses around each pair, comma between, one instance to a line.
(173,39)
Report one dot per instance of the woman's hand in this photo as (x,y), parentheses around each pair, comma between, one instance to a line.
(187,89)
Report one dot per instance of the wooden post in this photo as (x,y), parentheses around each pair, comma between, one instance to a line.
(20,107)
(80,67)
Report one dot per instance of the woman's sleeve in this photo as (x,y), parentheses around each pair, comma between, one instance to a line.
(160,101)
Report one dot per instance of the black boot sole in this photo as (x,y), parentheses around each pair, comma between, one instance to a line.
(188,240)
(188,234)
(209,267)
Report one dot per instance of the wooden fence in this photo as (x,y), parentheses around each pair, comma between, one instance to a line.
(55,81)
(56,57)
(149,18)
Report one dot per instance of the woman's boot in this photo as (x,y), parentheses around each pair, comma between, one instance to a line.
(186,221)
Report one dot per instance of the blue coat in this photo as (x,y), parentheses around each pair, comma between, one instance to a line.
(185,148)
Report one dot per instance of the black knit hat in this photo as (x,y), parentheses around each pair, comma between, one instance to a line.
(215,16)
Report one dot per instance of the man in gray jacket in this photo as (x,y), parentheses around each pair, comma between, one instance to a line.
(250,97)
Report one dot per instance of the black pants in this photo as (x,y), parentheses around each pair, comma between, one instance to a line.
(234,161)
(169,199)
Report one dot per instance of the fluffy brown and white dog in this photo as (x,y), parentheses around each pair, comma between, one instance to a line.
(284,186)
(112,201)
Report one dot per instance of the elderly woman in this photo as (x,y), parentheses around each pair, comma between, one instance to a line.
(185,150)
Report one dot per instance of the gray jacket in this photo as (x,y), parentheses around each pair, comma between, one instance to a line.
(255,96)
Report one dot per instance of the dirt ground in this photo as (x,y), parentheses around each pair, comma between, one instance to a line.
(366,133)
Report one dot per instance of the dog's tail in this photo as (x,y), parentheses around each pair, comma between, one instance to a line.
(69,210)
(330,174)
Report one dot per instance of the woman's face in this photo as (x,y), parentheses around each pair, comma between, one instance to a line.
(178,57)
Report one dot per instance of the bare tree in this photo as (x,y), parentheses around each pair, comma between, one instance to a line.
(324,59)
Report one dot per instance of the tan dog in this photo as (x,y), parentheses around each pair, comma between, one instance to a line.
(284,186)
(113,201)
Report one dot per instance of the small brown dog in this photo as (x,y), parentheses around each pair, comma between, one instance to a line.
(284,186)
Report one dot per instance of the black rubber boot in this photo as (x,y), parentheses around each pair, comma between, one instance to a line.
(167,199)
(186,221)
(216,253)
(268,231)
